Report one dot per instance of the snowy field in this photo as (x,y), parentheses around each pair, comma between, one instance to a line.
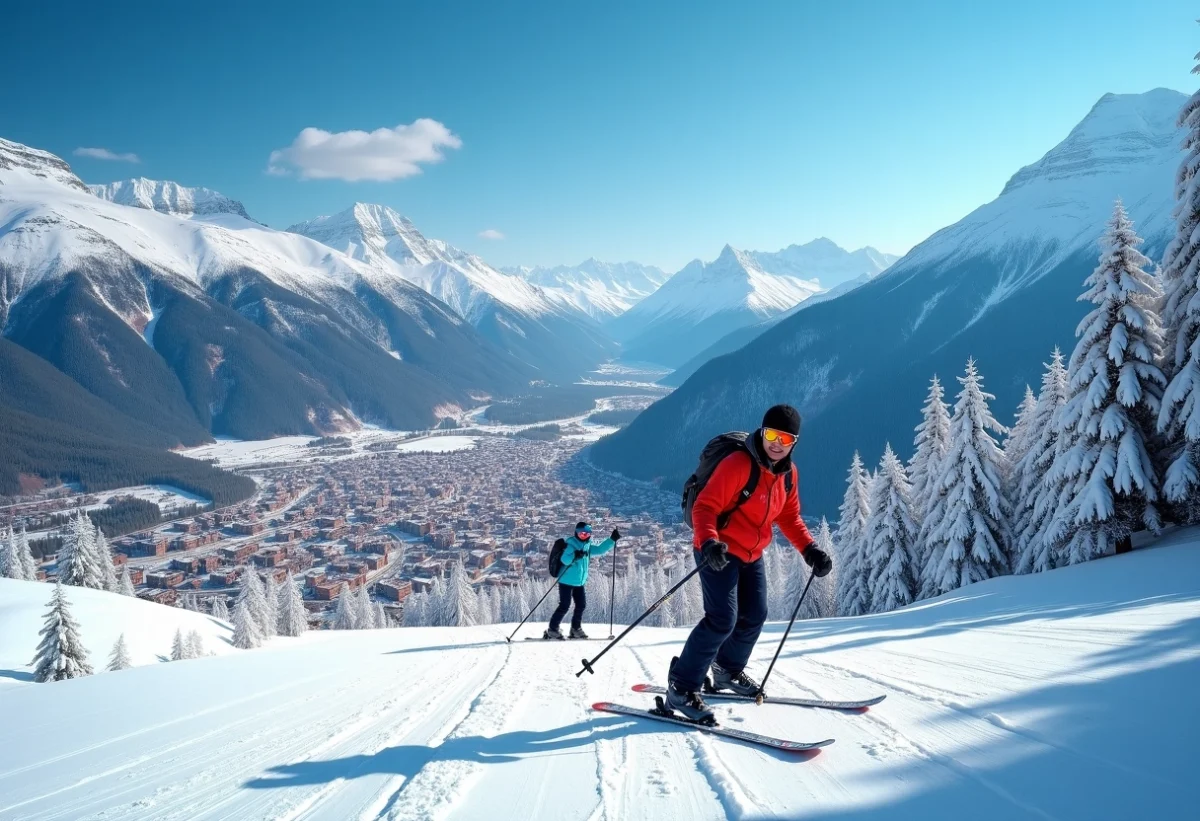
(1067,695)
(237,453)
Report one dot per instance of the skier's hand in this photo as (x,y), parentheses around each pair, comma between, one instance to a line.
(818,560)
(714,552)
(616,534)
(579,554)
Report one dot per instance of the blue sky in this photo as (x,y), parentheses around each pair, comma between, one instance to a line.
(648,131)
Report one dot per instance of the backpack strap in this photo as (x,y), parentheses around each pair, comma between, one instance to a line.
(746,492)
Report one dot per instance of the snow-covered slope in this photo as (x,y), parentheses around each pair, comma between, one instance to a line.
(1068,695)
(602,289)
(305,339)
(704,301)
(825,261)
(168,198)
(529,321)
(149,628)
(1001,285)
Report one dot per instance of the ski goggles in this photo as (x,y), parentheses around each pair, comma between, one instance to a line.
(785,439)
(583,533)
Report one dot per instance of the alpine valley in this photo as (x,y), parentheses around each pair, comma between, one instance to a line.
(1000,285)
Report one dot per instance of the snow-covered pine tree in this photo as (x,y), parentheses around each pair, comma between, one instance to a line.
(1017,444)
(293,619)
(26,555)
(773,564)
(179,650)
(931,443)
(435,606)
(77,564)
(60,653)
(125,583)
(364,615)
(271,602)
(220,608)
(193,642)
(825,592)
(971,528)
(255,595)
(1031,476)
(796,570)
(892,534)
(460,599)
(415,610)
(381,617)
(119,658)
(247,632)
(1179,417)
(345,616)
(854,598)
(1116,387)
(10,562)
(104,559)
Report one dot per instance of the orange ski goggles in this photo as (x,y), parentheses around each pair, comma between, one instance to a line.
(785,439)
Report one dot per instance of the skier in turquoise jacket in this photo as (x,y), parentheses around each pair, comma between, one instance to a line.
(576,559)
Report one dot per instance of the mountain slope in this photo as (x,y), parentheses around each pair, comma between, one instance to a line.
(520,318)
(168,198)
(601,289)
(825,261)
(989,690)
(1000,285)
(702,303)
(213,323)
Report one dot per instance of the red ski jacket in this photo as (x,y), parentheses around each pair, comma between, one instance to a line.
(749,529)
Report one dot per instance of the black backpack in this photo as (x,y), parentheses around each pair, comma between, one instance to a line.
(556,554)
(717,449)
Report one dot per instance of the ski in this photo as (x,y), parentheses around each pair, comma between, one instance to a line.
(714,729)
(564,639)
(794,702)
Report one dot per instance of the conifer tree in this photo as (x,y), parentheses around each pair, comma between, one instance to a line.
(381,617)
(26,556)
(891,538)
(460,599)
(220,609)
(247,632)
(1179,416)
(293,618)
(1116,388)
(194,644)
(60,653)
(969,529)
(10,563)
(125,585)
(1017,444)
(179,650)
(1031,478)
(271,606)
(104,559)
(345,615)
(931,443)
(77,565)
(119,658)
(854,596)
(364,616)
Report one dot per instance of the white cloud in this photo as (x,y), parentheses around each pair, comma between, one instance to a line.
(383,154)
(491,233)
(105,154)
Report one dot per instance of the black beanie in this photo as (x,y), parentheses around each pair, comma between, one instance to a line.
(581,525)
(784,418)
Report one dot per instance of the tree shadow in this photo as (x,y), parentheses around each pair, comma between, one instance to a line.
(17,675)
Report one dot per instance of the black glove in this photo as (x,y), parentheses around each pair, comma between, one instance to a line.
(616,534)
(714,552)
(579,554)
(818,560)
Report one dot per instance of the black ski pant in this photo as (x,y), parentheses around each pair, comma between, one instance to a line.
(566,592)
(735,607)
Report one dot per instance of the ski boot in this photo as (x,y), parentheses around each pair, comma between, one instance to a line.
(553,634)
(687,702)
(723,680)
(577,633)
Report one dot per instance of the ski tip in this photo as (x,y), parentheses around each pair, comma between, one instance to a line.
(601,705)
(642,688)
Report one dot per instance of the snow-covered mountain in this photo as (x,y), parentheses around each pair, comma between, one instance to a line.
(213,323)
(169,198)
(825,261)
(1000,285)
(703,302)
(523,318)
(1063,695)
(602,289)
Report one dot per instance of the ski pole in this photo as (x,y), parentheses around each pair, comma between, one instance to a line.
(536,606)
(762,692)
(612,598)
(587,665)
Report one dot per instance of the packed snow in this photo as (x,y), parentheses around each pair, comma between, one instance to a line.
(241,453)
(1061,695)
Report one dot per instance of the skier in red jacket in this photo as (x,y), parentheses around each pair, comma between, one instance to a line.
(732,575)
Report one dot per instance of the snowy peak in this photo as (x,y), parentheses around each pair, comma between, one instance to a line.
(1121,131)
(367,231)
(169,198)
(601,289)
(17,161)
(825,261)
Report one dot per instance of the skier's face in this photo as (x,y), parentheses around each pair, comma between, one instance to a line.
(773,444)
(583,535)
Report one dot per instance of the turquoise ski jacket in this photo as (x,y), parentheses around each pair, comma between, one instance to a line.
(575,571)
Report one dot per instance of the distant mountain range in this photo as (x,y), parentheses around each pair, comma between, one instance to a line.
(1000,285)
(600,289)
